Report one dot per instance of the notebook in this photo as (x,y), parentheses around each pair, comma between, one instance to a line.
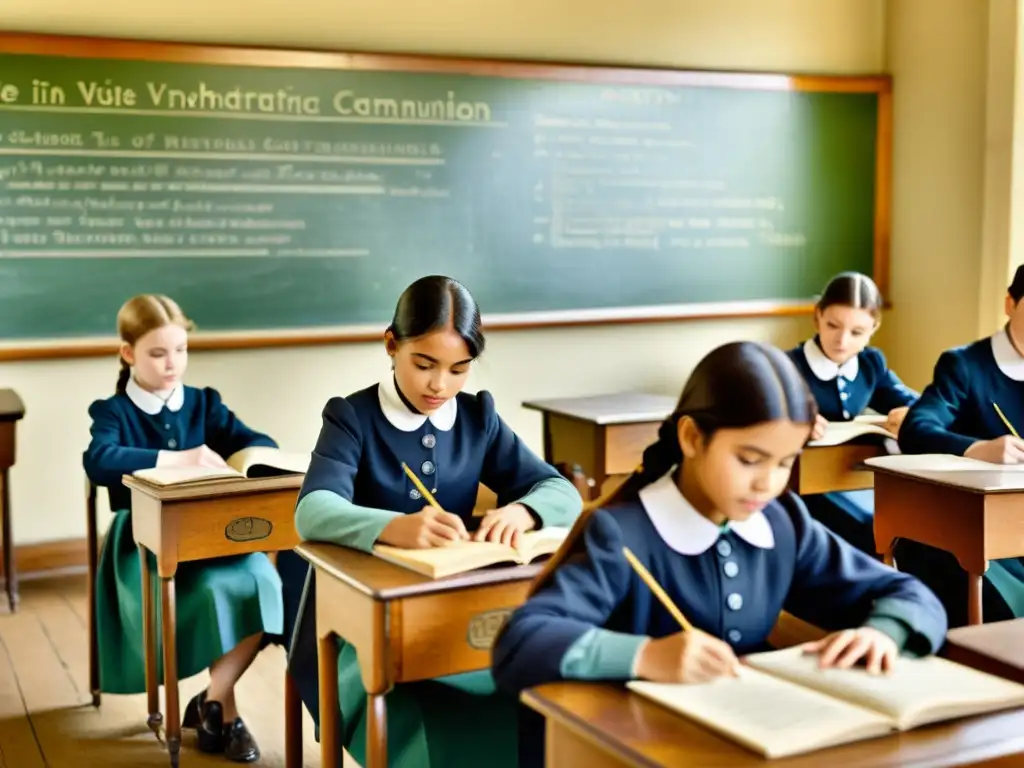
(255,461)
(782,704)
(462,556)
(839,432)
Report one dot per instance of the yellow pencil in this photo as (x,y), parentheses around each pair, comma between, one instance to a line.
(420,486)
(1006,421)
(655,587)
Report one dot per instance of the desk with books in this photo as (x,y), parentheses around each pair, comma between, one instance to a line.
(967,508)
(604,435)
(836,462)
(405,627)
(198,521)
(606,726)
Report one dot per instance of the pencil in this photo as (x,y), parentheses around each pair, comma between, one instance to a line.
(655,587)
(1006,421)
(421,487)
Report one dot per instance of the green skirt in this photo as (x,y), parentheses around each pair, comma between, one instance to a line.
(220,602)
(450,722)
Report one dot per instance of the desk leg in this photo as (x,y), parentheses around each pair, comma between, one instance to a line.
(376,731)
(975,582)
(10,567)
(330,717)
(170,634)
(292,723)
(149,641)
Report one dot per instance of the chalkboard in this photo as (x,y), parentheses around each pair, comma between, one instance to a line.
(284,197)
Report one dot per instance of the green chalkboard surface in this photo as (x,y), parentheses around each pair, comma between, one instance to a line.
(276,193)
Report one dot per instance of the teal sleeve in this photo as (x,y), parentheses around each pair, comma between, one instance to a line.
(326,516)
(555,501)
(600,654)
(914,631)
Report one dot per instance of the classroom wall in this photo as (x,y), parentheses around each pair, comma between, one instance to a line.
(282,391)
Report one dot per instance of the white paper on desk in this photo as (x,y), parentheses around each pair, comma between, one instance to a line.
(938,462)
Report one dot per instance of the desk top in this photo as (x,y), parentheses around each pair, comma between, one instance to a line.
(617,408)
(980,481)
(224,487)
(382,580)
(643,734)
(11,407)
(997,648)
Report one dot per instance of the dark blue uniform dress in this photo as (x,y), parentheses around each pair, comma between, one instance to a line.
(355,486)
(220,601)
(955,411)
(843,393)
(590,619)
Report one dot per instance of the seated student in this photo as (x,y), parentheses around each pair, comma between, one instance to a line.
(226,605)
(710,518)
(957,415)
(846,377)
(356,494)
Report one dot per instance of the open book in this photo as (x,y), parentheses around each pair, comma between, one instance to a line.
(462,556)
(839,432)
(782,704)
(255,461)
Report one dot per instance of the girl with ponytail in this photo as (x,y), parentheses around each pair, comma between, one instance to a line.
(710,517)
(229,605)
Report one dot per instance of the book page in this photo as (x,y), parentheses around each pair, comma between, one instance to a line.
(916,692)
(249,461)
(839,432)
(769,716)
(184,475)
(456,557)
(542,542)
(939,462)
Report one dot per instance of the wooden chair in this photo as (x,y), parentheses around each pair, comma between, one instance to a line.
(92,555)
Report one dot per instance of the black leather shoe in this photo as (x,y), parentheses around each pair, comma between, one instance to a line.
(210,733)
(192,717)
(239,745)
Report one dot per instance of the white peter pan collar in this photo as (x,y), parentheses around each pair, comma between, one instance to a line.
(1007,358)
(686,530)
(824,367)
(150,403)
(397,412)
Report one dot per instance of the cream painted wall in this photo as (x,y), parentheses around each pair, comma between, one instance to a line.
(282,391)
(955,239)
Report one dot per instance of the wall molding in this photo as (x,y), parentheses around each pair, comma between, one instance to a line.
(49,558)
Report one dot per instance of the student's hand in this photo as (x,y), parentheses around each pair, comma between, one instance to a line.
(895,419)
(820,425)
(686,657)
(844,649)
(1003,450)
(203,456)
(505,525)
(430,527)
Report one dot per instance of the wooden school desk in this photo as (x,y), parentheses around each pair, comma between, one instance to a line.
(606,726)
(604,435)
(404,626)
(12,410)
(974,515)
(197,522)
(834,468)
(996,648)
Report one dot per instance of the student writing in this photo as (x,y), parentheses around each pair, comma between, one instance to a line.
(356,494)
(846,377)
(226,604)
(957,415)
(710,518)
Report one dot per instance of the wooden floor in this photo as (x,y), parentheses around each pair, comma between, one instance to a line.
(46,714)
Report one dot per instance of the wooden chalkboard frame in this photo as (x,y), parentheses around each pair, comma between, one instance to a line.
(93,47)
